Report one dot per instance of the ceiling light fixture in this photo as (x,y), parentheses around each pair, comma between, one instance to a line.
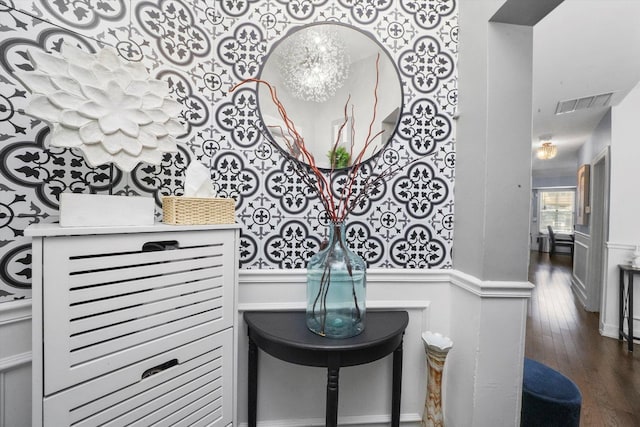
(547,151)
(314,65)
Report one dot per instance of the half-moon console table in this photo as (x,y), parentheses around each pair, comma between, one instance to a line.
(284,335)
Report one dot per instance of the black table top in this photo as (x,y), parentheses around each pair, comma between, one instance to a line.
(628,267)
(284,334)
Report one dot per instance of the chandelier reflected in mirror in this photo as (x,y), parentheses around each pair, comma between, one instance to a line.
(314,64)
(547,151)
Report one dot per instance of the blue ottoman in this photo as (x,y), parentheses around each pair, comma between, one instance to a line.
(549,399)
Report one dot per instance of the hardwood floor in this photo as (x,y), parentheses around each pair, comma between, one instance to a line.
(564,336)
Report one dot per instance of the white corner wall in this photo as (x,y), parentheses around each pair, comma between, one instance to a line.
(624,209)
(625,174)
(490,321)
(483,372)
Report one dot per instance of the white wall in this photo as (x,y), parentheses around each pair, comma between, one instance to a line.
(598,142)
(492,196)
(585,283)
(15,364)
(493,149)
(485,320)
(471,136)
(624,208)
(625,174)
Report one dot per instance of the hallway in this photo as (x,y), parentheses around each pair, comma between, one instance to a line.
(562,335)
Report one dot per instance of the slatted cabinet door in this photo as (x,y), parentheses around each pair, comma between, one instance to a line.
(137,328)
(190,392)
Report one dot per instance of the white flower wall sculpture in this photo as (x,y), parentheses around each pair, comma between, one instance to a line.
(108,108)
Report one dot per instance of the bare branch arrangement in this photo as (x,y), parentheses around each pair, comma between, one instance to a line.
(340,191)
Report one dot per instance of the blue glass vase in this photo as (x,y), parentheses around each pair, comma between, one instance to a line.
(336,288)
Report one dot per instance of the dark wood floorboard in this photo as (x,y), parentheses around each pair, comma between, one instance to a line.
(564,336)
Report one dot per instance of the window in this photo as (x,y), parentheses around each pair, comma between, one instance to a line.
(556,208)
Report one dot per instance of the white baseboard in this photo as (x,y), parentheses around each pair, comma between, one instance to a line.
(610,331)
(578,289)
(406,420)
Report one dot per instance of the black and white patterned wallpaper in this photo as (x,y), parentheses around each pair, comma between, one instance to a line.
(201,48)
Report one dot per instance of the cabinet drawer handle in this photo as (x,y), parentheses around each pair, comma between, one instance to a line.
(159,368)
(164,245)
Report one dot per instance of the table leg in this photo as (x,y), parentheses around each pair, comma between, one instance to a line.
(630,313)
(396,386)
(621,306)
(333,373)
(252,384)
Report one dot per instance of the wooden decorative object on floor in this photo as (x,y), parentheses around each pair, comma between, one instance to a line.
(198,210)
(436,347)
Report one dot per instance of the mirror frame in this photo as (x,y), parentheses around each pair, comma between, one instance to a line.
(384,51)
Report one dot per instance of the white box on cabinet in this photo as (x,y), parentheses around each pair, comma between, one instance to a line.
(101,210)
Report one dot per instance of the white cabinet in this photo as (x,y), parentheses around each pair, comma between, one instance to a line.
(134,325)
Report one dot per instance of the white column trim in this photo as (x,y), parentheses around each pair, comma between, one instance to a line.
(21,310)
(371,305)
(377,275)
(279,276)
(491,288)
(484,289)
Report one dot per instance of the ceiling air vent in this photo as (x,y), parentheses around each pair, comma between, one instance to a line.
(572,105)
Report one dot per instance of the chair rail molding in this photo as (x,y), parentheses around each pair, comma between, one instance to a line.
(491,288)
(15,311)
(470,310)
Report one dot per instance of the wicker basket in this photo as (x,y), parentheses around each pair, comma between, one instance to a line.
(196,210)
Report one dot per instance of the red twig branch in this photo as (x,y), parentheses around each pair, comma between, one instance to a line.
(353,173)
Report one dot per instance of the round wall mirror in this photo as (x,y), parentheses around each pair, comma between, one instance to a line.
(324,75)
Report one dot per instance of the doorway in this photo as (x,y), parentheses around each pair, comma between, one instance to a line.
(598,231)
